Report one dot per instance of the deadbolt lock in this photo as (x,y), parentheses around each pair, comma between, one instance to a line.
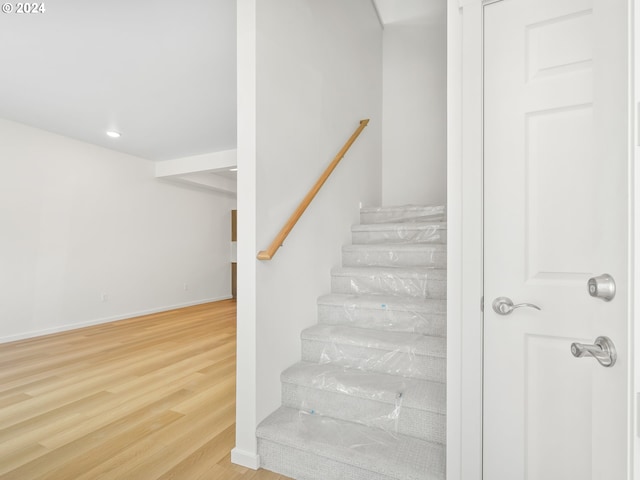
(603,286)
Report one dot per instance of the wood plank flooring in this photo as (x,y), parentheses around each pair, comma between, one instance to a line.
(151,397)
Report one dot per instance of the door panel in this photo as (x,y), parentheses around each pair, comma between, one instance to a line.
(559,236)
(556,209)
(554,438)
(559,45)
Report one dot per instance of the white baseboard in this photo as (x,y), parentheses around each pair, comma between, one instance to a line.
(245,459)
(98,321)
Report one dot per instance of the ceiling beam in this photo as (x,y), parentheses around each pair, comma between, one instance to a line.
(207,162)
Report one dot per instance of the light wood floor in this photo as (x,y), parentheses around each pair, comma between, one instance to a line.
(151,397)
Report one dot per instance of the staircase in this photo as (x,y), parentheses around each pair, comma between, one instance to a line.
(367,401)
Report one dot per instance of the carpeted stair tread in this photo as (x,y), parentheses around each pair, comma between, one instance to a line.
(401,247)
(384,312)
(415,393)
(409,272)
(415,343)
(390,302)
(404,272)
(395,255)
(400,233)
(363,452)
(402,214)
(421,282)
(405,405)
(397,353)
(368,399)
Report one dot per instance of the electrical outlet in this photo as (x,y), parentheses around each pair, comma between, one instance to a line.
(104,297)
(185,286)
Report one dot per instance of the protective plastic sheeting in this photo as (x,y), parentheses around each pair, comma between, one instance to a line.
(386,391)
(401,361)
(332,431)
(408,406)
(399,233)
(407,213)
(337,445)
(420,282)
(395,353)
(426,316)
(420,255)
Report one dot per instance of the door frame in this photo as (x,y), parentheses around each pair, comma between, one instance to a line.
(465,235)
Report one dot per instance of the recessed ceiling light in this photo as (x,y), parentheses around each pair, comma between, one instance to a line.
(113,134)
(234,169)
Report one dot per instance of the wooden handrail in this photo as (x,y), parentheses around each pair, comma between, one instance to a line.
(280,238)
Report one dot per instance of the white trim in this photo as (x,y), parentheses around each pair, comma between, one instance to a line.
(246,370)
(245,459)
(454,242)
(634,244)
(464,272)
(99,321)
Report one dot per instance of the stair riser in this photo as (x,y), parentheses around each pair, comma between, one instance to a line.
(390,258)
(417,287)
(303,465)
(425,214)
(404,363)
(434,235)
(422,424)
(384,319)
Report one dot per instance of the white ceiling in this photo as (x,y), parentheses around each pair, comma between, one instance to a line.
(410,11)
(163,73)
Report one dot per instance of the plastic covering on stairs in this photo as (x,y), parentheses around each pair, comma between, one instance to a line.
(368,399)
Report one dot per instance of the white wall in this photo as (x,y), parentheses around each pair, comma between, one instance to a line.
(414,135)
(315,68)
(78,220)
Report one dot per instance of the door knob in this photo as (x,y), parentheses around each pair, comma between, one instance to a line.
(602,350)
(504,306)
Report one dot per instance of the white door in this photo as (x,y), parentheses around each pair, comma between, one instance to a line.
(556,210)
